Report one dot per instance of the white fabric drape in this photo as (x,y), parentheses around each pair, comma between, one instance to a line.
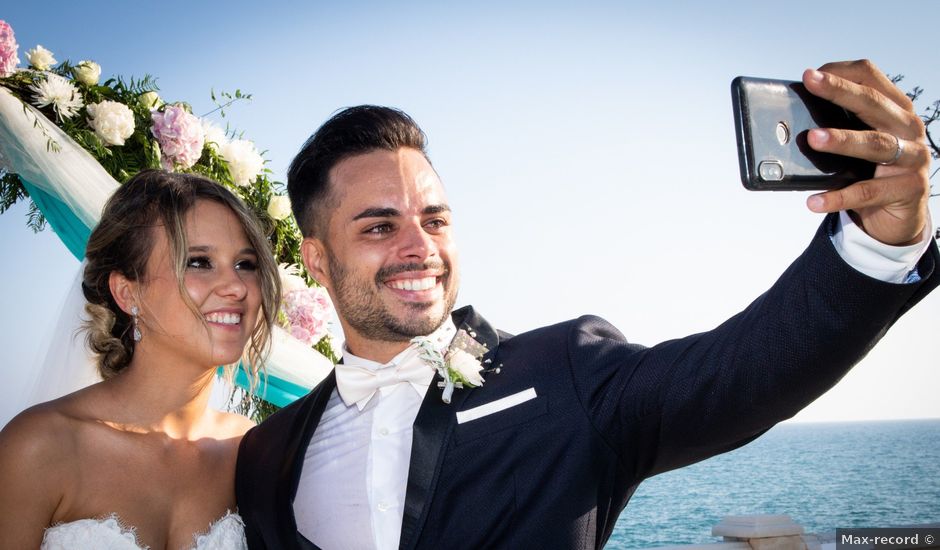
(70,174)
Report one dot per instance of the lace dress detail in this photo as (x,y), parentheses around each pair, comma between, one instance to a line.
(226,533)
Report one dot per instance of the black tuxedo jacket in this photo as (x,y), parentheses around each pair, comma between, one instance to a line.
(556,471)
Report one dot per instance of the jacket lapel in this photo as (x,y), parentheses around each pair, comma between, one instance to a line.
(432,429)
(304,425)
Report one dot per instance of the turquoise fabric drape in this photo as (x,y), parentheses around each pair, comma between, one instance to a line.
(71,231)
(270,388)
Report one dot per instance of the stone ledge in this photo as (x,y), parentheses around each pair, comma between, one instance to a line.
(756,527)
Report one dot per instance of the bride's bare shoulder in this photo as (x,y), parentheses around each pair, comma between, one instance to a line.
(37,455)
(38,460)
(41,431)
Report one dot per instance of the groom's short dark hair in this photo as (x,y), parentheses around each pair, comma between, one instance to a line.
(352,131)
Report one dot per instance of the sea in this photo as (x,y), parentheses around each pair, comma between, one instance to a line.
(823,475)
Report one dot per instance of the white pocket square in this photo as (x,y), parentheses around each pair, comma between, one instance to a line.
(495,406)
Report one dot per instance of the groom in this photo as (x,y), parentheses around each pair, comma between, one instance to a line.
(569,418)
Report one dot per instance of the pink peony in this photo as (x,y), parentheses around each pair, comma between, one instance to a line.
(8,50)
(180,135)
(309,312)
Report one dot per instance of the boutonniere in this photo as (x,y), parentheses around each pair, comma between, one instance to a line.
(460,365)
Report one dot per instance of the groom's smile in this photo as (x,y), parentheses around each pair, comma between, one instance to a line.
(388,258)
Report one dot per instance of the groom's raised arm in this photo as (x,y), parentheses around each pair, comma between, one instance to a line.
(688,399)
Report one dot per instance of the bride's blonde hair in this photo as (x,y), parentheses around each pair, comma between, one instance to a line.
(123,240)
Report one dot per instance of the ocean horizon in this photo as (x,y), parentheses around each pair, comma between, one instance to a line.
(824,475)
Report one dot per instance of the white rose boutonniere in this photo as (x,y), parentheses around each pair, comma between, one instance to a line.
(460,365)
(466,368)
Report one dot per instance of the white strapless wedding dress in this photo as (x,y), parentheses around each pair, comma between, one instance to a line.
(228,533)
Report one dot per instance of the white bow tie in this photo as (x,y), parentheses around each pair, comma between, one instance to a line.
(357,384)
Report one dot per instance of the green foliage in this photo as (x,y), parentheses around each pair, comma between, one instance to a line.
(35,219)
(11,192)
(229,100)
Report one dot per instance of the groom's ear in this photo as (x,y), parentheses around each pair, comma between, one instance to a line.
(123,290)
(315,259)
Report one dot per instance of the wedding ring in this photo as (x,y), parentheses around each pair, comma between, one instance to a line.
(897,153)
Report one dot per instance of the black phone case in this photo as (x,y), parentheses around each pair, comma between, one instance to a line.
(772,118)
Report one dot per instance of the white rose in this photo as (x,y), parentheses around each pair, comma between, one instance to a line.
(279,207)
(467,366)
(40,58)
(87,72)
(290,278)
(149,100)
(215,136)
(244,161)
(113,122)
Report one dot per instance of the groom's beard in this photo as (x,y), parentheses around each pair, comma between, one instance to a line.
(360,302)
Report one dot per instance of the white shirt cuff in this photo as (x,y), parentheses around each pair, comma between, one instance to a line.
(891,264)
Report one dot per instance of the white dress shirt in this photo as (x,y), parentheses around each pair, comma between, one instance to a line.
(351,492)
(352,488)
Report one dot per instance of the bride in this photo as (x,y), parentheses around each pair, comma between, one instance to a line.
(179,279)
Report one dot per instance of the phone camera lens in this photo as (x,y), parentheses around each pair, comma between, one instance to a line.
(783,133)
(770,170)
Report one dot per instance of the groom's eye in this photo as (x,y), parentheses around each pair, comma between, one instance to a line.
(380,228)
(436,223)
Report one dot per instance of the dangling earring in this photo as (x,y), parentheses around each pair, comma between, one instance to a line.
(134,313)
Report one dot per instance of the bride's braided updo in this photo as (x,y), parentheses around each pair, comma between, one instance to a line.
(123,240)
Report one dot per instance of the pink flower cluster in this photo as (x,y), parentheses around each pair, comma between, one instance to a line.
(180,136)
(8,49)
(309,312)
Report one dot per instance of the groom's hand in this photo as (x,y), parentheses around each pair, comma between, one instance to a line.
(892,206)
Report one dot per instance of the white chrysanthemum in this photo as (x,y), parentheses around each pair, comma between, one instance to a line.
(215,136)
(40,58)
(60,93)
(279,207)
(113,122)
(290,278)
(244,161)
(87,72)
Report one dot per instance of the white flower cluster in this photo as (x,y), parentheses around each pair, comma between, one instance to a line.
(279,207)
(149,100)
(40,58)
(87,72)
(245,163)
(60,93)
(290,278)
(215,136)
(113,122)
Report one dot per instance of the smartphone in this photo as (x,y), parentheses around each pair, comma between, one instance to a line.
(772,119)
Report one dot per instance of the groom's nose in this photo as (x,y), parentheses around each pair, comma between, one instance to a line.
(416,243)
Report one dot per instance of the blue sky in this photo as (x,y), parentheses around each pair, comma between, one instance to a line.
(587,149)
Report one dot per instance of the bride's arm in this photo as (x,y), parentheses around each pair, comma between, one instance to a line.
(33,471)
